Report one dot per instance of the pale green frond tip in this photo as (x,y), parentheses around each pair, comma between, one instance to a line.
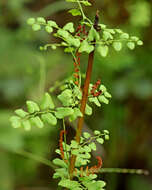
(41,20)
(75,12)
(131,45)
(36,27)
(69,27)
(15,121)
(49,29)
(30,21)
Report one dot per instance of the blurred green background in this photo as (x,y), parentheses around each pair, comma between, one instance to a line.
(25,73)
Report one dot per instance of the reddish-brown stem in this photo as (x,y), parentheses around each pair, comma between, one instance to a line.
(84,100)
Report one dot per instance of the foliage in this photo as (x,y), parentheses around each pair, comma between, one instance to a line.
(71,47)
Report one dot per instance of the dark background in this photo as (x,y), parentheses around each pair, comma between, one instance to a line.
(25,73)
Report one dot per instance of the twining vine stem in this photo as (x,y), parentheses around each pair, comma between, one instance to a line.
(84,100)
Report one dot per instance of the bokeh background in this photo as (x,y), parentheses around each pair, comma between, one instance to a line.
(25,72)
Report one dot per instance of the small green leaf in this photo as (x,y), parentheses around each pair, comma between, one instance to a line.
(49,118)
(96,132)
(131,45)
(69,184)
(86,135)
(15,121)
(30,21)
(103,50)
(63,33)
(41,20)
(102,26)
(106,132)
(36,27)
(95,101)
(117,46)
(69,50)
(92,146)
(93,35)
(77,113)
(139,43)
(88,110)
(21,113)
(86,47)
(37,121)
(69,27)
(103,88)
(119,31)
(52,23)
(47,102)
(26,124)
(103,99)
(124,36)
(59,162)
(66,97)
(74,144)
(86,3)
(73,41)
(100,140)
(75,12)
(106,137)
(63,112)
(134,38)
(107,95)
(49,29)
(32,106)
(107,35)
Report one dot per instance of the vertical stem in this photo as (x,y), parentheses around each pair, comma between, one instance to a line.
(84,100)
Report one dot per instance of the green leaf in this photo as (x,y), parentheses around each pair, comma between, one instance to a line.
(77,113)
(63,33)
(117,46)
(86,3)
(102,26)
(37,121)
(73,42)
(69,184)
(86,47)
(106,132)
(26,124)
(139,43)
(66,97)
(103,88)
(107,95)
(92,146)
(95,100)
(100,140)
(69,50)
(52,23)
(59,162)
(41,20)
(15,121)
(32,106)
(131,45)
(75,12)
(36,27)
(74,144)
(69,27)
(124,36)
(88,110)
(21,113)
(49,29)
(107,35)
(93,35)
(49,118)
(103,99)
(96,132)
(106,137)
(103,50)
(86,135)
(30,21)
(135,38)
(47,102)
(63,112)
